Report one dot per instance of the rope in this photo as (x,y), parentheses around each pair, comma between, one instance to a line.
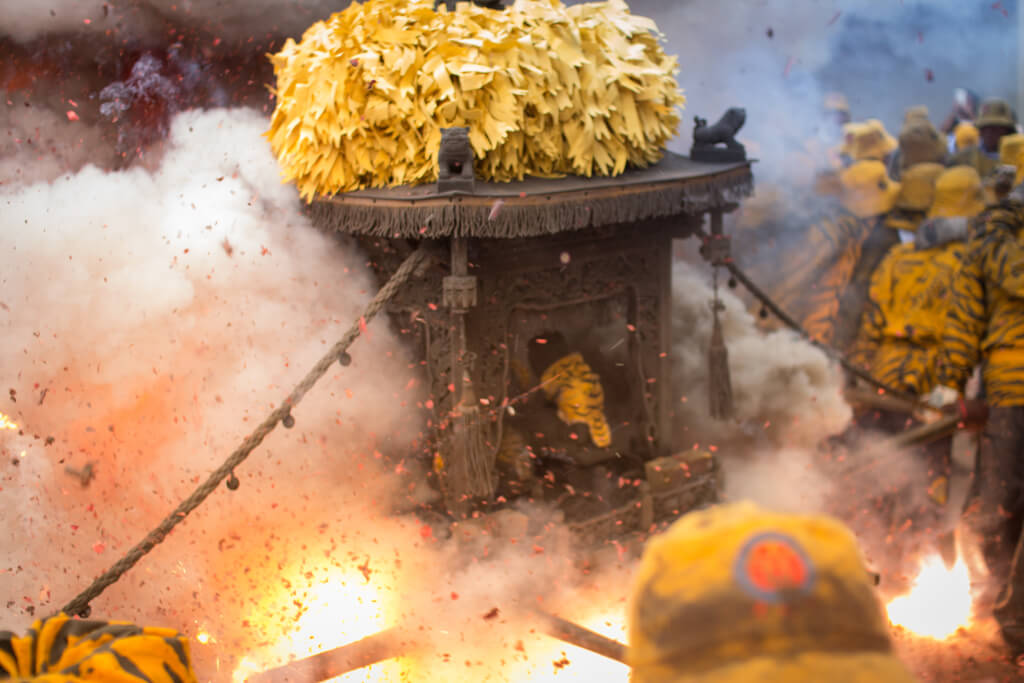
(80,605)
(787,320)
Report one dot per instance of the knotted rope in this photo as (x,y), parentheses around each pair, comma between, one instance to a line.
(337,353)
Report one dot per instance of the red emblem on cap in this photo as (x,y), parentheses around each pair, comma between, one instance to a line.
(772,565)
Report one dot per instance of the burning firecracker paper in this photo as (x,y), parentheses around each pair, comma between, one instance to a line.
(546,90)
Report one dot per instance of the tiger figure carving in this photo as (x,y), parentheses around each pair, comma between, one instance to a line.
(572,385)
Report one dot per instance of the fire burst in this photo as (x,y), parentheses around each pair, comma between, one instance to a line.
(6,422)
(939,601)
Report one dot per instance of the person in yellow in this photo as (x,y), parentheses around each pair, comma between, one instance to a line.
(917,190)
(871,141)
(828,274)
(65,650)
(740,594)
(919,142)
(903,322)
(900,338)
(965,136)
(999,184)
(985,326)
(995,120)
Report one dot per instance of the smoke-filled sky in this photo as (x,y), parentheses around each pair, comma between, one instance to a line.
(160,290)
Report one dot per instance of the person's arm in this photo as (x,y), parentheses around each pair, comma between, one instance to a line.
(965,323)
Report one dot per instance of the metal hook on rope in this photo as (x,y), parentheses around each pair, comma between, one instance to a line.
(232,482)
(288,421)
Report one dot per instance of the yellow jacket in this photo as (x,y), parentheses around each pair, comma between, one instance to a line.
(829,274)
(901,329)
(985,322)
(976,159)
(577,391)
(65,650)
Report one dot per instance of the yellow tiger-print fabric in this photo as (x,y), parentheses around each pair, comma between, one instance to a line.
(577,391)
(820,270)
(986,317)
(902,325)
(64,650)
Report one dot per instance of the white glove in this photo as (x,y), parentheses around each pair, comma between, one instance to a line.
(942,396)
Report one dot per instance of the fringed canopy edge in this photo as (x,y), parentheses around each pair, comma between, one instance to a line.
(495,211)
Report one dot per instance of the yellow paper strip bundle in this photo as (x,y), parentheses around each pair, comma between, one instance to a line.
(546,90)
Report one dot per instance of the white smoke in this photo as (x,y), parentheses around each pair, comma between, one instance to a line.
(234,20)
(150,321)
(786,392)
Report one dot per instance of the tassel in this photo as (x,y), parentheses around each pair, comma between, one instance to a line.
(719,382)
(471,473)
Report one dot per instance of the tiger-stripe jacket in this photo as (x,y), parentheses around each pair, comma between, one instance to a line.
(64,650)
(902,326)
(985,323)
(828,278)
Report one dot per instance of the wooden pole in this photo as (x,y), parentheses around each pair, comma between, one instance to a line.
(574,634)
(925,433)
(341,660)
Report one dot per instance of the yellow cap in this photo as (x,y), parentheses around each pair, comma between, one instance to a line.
(1009,148)
(914,114)
(1020,168)
(836,101)
(920,142)
(958,192)
(966,135)
(872,141)
(867,189)
(737,593)
(917,187)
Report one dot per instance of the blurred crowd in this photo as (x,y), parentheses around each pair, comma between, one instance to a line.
(905,258)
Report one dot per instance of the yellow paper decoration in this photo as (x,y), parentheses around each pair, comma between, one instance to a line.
(546,90)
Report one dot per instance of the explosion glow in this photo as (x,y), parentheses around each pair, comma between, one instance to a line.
(6,422)
(553,660)
(337,607)
(939,602)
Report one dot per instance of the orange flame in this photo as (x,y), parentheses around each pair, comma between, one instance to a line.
(939,602)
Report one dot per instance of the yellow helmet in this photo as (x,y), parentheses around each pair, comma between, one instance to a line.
(966,135)
(958,192)
(1020,168)
(916,114)
(920,142)
(872,141)
(917,187)
(1009,148)
(737,593)
(867,189)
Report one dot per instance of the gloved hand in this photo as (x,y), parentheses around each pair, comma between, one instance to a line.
(942,396)
(973,413)
(939,398)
